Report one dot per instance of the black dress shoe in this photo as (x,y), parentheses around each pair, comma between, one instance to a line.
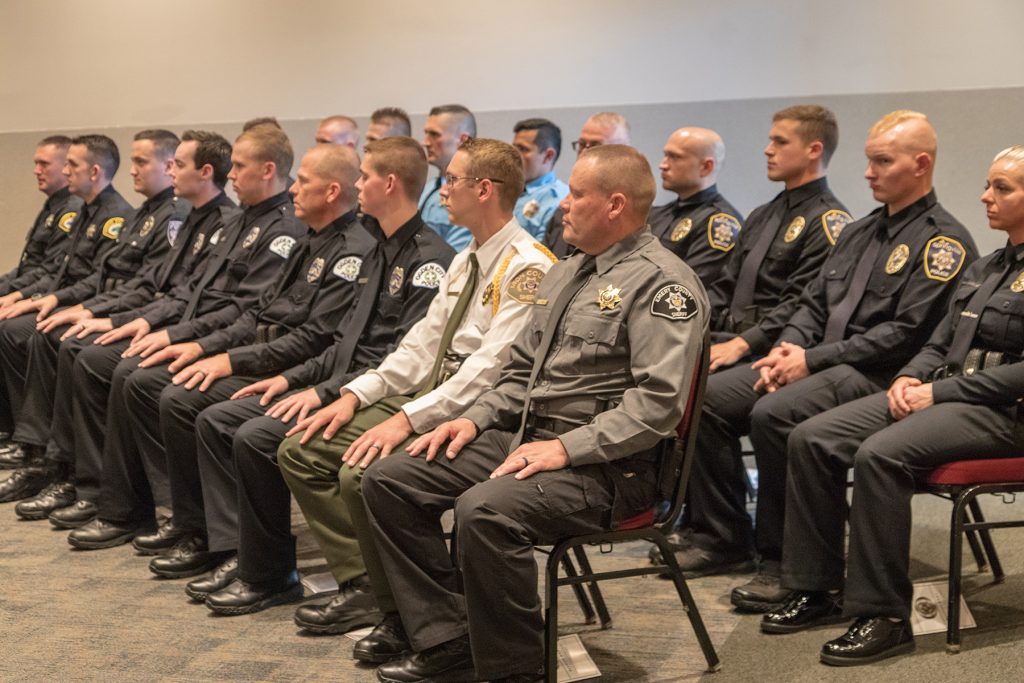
(353,607)
(160,540)
(677,540)
(57,495)
(868,640)
(12,456)
(242,597)
(100,533)
(803,610)
(74,516)
(189,556)
(763,593)
(25,482)
(385,643)
(198,589)
(448,662)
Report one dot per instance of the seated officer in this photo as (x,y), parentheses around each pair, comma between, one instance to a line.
(338,130)
(539,142)
(957,399)
(780,249)
(438,370)
(560,446)
(388,122)
(602,128)
(447,127)
(701,226)
(880,292)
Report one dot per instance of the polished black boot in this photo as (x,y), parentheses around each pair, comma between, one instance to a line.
(163,539)
(242,597)
(198,589)
(57,495)
(353,607)
(189,556)
(386,642)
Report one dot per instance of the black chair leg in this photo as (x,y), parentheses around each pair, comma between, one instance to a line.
(569,568)
(595,591)
(688,604)
(551,613)
(956,531)
(986,541)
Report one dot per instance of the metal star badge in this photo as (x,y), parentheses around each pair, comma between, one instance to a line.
(608,298)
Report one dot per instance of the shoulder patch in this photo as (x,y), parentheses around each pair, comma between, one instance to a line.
(428,275)
(723,230)
(547,252)
(523,285)
(112,228)
(173,228)
(65,221)
(833,223)
(674,302)
(348,268)
(943,258)
(282,246)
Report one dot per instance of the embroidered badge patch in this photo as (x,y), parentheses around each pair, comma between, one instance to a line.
(428,275)
(723,230)
(523,286)
(173,228)
(681,229)
(348,268)
(833,222)
(943,258)
(282,245)
(316,269)
(897,259)
(674,302)
(112,228)
(795,228)
(66,220)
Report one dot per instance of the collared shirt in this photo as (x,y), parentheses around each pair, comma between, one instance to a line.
(1000,329)
(539,201)
(811,219)
(922,253)
(623,354)
(414,261)
(46,237)
(436,216)
(511,264)
(701,229)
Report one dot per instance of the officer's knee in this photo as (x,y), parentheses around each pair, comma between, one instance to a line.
(351,482)
(767,411)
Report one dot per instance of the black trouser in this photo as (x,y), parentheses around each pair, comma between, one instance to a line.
(14,343)
(498,521)
(887,457)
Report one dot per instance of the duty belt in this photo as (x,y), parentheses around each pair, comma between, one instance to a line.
(548,424)
(268,332)
(977,359)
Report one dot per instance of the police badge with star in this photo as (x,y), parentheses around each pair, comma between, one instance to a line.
(723,230)
(674,302)
(943,258)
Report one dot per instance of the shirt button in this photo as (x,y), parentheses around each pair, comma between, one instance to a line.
(1006,304)
(832,272)
(590,335)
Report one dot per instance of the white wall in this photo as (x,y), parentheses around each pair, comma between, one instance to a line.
(71,64)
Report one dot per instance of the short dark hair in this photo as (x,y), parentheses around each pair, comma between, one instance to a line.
(213,149)
(269,143)
(102,151)
(403,157)
(260,121)
(394,118)
(549,136)
(465,118)
(164,141)
(61,141)
(814,122)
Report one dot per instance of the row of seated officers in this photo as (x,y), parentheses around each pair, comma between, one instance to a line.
(325,340)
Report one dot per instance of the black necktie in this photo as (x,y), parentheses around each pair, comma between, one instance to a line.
(78,230)
(454,320)
(212,268)
(365,306)
(840,316)
(568,293)
(743,294)
(967,325)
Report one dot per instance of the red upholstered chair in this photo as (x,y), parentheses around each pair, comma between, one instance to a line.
(962,482)
(652,525)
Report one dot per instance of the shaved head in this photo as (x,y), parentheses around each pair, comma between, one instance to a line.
(340,130)
(691,160)
(703,142)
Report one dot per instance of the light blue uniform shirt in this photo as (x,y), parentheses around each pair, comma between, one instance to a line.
(436,216)
(538,203)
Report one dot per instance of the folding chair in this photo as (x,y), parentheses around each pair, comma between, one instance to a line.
(651,525)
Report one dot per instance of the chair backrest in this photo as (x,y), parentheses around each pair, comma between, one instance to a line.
(678,458)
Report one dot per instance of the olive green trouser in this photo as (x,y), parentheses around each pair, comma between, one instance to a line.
(330,495)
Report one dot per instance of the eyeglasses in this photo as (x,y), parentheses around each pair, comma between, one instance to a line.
(450,179)
(581,144)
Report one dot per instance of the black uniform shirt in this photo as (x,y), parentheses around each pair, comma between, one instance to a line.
(812,218)
(401,302)
(93,233)
(189,246)
(923,251)
(45,239)
(701,229)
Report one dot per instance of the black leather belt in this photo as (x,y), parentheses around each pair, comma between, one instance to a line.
(548,424)
(268,332)
(976,360)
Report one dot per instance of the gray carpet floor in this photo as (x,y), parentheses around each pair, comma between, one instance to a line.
(68,615)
